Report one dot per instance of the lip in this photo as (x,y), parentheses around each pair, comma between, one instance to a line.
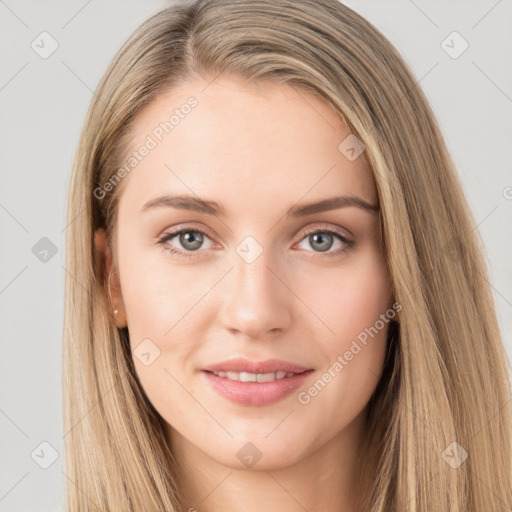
(255,394)
(245,365)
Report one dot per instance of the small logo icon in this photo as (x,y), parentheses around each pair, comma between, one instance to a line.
(351,147)
(44,250)
(249,455)
(44,45)
(454,45)
(454,455)
(44,455)
(249,249)
(146,352)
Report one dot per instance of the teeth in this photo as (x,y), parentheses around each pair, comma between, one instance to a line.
(254,377)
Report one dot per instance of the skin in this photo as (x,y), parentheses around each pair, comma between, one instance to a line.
(257,149)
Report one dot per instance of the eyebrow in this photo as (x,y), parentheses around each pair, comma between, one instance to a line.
(196,204)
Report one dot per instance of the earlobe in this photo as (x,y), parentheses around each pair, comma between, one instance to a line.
(111,281)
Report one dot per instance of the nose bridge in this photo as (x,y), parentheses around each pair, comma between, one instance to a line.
(252,273)
(257,301)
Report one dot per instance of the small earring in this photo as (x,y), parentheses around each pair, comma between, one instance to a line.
(116,311)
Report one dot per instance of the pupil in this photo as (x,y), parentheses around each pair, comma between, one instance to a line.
(318,237)
(187,240)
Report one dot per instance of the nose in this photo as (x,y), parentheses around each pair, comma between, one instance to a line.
(257,300)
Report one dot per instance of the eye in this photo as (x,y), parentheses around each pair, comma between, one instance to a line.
(322,240)
(189,239)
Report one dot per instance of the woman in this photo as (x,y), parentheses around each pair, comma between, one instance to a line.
(277,298)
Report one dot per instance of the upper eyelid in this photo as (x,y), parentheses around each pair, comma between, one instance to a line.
(345,233)
(176,231)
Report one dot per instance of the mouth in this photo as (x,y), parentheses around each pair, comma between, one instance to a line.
(270,366)
(256,377)
(249,383)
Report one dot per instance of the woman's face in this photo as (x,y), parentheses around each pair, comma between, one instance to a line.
(256,276)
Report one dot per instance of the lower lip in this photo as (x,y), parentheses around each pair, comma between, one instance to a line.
(255,393)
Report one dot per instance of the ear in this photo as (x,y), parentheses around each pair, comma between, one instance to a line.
(112,284)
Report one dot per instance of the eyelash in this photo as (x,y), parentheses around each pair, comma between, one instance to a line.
(193,254)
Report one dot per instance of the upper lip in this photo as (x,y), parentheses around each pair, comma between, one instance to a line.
(245,365)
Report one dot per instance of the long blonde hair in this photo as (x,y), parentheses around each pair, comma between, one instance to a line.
(446,378)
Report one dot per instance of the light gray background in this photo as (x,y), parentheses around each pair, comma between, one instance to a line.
(43,103)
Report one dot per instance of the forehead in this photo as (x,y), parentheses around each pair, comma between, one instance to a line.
(230,138)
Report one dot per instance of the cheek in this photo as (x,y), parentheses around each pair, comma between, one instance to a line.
(164,310)
(156,294)
(355,304)
(350,298)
